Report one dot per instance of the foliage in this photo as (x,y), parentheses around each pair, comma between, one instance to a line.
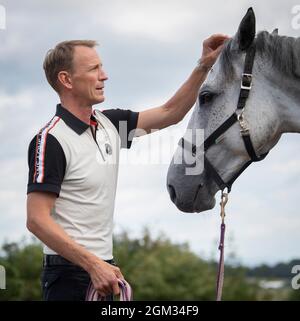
(160,270)
(23,266)
(294,295)
(156,268)
(280,270)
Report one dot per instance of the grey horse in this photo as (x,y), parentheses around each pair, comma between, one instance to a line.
(272,108)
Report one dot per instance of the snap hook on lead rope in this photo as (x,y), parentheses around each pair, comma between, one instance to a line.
(224,200)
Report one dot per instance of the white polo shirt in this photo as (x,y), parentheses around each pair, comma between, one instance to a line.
(79,163)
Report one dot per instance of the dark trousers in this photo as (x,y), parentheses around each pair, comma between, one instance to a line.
(62,280)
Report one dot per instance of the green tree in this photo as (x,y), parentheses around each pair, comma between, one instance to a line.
(156,268)
(23,267)
(294,295)
(160,270)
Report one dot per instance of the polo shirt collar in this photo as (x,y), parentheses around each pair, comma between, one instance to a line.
(72,121)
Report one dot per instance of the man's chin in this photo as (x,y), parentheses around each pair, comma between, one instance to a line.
(98,100)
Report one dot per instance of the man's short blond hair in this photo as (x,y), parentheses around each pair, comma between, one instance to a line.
(61,59)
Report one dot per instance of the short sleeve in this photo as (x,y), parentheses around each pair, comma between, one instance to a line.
(47,164)
(125,122)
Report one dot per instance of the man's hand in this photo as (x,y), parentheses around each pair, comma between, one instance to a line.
(104,277)
(212,47)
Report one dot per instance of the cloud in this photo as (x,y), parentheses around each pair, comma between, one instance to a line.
(159,21)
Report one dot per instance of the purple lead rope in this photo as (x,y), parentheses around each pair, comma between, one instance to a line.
(125,292)
(220,277)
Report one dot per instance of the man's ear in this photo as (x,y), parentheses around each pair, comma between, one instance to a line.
(64,79)
(246,31)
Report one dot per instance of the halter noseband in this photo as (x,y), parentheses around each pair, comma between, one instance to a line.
(238,115)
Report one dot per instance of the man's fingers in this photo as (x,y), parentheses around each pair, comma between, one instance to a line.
(104,290)
(116,289)
(118,273)
(215,41)
(218,37)
(218,50)
(101,293)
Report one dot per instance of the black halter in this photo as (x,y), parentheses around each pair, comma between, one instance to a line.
(246,83)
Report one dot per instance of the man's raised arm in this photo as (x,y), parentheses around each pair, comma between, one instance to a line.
(177,106)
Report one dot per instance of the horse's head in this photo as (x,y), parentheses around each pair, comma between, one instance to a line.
(226,151)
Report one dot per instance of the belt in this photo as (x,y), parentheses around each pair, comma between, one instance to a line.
(50,260)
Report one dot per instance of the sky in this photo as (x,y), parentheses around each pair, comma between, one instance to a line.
(148,49)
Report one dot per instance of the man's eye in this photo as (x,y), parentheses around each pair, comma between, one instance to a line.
(205,97)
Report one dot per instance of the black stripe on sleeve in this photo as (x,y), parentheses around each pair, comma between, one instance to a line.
(53,169)
(121,117)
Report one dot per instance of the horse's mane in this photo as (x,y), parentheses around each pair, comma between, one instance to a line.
(282,51)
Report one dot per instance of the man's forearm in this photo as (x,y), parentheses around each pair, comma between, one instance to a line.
(185,97)
(51,234)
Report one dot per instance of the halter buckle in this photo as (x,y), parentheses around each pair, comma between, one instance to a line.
(246,82)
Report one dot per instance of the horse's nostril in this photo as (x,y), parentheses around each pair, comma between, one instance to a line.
(172,193)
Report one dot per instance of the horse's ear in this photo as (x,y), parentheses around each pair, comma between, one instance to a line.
(275,32)
(246,31)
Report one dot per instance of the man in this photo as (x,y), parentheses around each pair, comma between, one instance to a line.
(73,164)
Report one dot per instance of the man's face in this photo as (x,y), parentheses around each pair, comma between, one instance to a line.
(87,76)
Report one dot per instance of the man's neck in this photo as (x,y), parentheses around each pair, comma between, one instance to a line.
(81,111)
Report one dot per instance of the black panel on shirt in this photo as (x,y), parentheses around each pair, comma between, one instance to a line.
(54,166)
(131,119)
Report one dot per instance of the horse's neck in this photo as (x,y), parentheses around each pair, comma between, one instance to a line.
(291,109)
(286,92)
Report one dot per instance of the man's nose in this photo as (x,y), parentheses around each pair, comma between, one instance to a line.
(102,75)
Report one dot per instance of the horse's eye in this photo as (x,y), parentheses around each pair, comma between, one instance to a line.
(205,97)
